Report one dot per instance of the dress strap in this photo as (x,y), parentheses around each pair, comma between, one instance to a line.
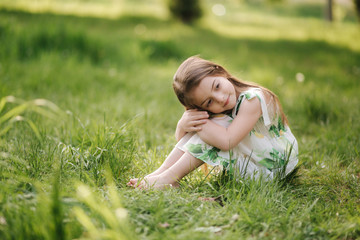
(249,94)
(264,109)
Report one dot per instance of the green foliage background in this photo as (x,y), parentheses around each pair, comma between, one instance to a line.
(111,76)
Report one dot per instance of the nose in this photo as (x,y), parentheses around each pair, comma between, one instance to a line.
(218,97)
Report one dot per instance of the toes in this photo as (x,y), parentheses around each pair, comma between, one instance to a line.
(132,182)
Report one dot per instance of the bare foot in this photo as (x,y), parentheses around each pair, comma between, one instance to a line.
(132,182)
(157,182)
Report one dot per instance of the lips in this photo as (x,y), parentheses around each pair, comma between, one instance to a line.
(227,101)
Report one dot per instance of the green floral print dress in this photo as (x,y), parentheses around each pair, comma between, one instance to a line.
(269,149)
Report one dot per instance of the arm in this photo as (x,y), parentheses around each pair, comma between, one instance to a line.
(227,138)
(190,122)
(179,132)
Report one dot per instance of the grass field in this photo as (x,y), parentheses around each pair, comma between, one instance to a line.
(63,171)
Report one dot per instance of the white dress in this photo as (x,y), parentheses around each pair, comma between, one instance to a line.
(269,149)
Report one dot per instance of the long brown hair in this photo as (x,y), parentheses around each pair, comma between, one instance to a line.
(194,69)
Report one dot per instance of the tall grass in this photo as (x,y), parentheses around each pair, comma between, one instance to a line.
(65,177)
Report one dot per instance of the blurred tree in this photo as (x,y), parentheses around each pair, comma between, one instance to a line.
(186,10)
(329,10)
(357,7)
(328,7)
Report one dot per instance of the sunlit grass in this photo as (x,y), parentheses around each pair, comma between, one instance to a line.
(112,76)
(239,20)
(104,8)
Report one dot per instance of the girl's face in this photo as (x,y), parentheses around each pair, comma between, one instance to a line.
(215,94)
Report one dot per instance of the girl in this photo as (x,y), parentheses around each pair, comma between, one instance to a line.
(228,122)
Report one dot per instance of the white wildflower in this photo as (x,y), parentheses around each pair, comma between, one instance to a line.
(121,213)
(219,10)
(18,118)
(2,221)
(83,192)
(10,99)
(300,77)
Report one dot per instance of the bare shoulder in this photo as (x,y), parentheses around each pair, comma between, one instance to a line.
(268,97)
(251,106)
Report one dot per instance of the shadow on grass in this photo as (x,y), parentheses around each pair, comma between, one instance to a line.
(72,35)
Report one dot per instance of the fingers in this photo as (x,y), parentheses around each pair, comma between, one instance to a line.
(194,129)
(197,111)
(194,125)
(197,126)
(192,120)
(197,115)
(199,122)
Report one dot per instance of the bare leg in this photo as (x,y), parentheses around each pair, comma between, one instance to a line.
(170,177)
(173,157)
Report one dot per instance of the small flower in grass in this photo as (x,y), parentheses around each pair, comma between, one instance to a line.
(4,155)
(322,165)
(235,217)
(121,213)
(10,99)
(3,221)
(219,10)
(18,118)
(300,77)
(212,229)
(207,199)
(83,192)
(164,225)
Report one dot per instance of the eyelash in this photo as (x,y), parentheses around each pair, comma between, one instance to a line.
(216,87)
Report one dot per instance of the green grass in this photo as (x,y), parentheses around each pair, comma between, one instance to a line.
(112,79)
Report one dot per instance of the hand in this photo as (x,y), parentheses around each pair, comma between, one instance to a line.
(192,120)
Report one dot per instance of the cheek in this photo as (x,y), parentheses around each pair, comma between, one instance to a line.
(216,109)
(233,102)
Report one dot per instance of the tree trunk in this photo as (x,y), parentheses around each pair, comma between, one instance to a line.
(329,10)
(357,8)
